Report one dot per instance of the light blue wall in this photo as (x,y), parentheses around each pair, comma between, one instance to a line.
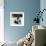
(29,7)
(43,6)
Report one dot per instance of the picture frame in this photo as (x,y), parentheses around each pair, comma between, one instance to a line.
(16,18)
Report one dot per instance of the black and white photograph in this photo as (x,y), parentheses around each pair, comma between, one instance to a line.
(16,18)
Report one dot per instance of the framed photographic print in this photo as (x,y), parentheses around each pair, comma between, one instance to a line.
(16,18)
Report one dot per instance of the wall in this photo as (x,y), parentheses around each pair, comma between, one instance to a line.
(29,7)
(43,6)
